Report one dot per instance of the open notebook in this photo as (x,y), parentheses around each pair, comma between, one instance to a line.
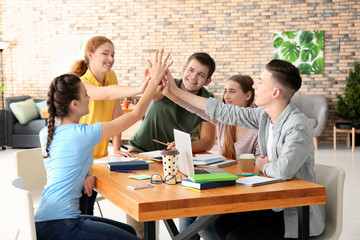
(185,160)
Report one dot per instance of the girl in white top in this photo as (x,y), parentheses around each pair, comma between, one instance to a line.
(233,140)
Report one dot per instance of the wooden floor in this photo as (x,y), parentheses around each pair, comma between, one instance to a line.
(342,157)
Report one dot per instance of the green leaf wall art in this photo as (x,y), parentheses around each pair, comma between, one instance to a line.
(304,49)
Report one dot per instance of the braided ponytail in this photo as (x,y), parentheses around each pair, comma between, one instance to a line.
(62,90)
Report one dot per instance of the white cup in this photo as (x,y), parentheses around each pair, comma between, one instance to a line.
(247,162)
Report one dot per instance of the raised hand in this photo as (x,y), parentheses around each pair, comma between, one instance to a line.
(170,82)
(145,80)
(159,67)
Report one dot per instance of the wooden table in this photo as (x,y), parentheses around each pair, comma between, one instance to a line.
(166,202)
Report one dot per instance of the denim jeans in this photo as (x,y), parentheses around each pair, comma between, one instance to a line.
(207,233)
(84,227)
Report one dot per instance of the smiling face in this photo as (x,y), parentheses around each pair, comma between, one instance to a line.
(195,76)
(234,94)
(102,59)
(264,89)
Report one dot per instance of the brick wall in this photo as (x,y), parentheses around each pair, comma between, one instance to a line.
(238,34)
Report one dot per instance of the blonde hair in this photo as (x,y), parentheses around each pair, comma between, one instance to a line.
(246,83)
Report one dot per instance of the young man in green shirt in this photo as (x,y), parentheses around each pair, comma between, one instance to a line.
(163,115)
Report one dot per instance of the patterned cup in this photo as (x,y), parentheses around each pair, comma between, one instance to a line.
(170,161)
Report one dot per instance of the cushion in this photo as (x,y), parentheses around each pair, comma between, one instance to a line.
(24,111)
(40,105)
(32,127)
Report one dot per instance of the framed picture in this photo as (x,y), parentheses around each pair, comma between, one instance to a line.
(304,49)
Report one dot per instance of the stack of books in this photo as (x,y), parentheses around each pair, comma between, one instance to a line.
(210,180)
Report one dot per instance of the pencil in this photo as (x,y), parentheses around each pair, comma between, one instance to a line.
(248,174)
(159,142)
(193,189)
(125,171)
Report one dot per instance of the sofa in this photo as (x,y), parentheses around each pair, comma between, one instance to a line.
(22,135)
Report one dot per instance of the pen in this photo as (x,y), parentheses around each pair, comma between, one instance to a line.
(159,142)
(248,174)
(125,171)
(193,189)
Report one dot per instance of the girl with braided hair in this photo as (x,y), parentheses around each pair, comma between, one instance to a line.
(68,156)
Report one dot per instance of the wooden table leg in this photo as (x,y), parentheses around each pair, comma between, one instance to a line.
(316,142)
(353,139)
(334,137)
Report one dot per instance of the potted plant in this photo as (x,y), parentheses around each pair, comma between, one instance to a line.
(348,105)
(2,120)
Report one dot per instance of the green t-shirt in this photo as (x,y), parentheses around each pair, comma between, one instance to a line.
(161,118)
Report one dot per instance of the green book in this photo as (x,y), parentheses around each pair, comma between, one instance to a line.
(212,177)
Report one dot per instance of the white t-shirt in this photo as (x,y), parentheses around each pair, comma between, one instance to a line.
(270,142)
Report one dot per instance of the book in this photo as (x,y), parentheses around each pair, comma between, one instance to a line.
(206,185)
(151,154)
(114,159)
(220,164)
(128,165)
(201,159)
(257,180)
(212,177)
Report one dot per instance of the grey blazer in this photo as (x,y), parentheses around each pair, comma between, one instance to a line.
(292,151)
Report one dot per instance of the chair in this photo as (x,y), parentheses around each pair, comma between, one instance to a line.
(333,179)
(315,107)
(22,213)
(30,166)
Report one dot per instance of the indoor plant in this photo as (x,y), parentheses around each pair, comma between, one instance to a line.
(348,105)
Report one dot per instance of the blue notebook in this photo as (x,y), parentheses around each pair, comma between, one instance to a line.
(206,185)
(128,165)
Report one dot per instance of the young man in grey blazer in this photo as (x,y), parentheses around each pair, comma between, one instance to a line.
(286,145)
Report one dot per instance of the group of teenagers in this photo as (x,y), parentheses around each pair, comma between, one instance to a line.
(85,112)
